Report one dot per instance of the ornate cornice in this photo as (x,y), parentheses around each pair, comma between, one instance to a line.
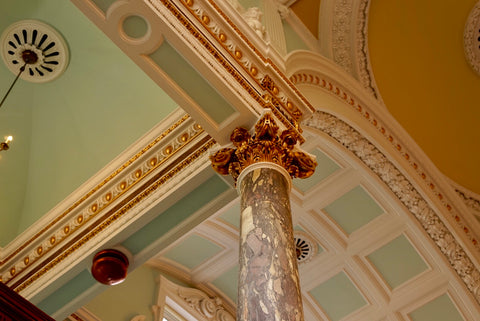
(341,29)
(116,194)
(266,145)
(410,197)
(350,41)
(229,38)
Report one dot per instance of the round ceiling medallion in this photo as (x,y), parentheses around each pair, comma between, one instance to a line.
(305,247)
(471,38)
(37,44)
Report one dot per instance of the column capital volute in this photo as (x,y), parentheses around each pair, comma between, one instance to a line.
(266,145)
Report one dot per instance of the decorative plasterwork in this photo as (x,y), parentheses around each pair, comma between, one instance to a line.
(244,54)
(471,38)
(334,88)
(266,145)
(406,193)
(341,44)
(189,302)
(349,39)
(43,41)
(164,155)
(213,36)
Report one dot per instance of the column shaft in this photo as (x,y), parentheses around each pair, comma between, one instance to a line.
(269,287)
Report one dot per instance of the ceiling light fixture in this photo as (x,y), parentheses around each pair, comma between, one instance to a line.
(5,145)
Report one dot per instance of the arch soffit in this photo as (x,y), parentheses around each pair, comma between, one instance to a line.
(348,114)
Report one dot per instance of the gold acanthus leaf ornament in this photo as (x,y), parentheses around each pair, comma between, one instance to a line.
(264,146)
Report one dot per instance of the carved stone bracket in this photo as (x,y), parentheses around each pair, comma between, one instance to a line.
(188,303)
(266,145)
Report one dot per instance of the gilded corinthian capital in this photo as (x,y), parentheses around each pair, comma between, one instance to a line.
(266,145)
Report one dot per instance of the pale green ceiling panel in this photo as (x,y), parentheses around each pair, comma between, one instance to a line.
(338,297)
(228,283)
(326,167)
(180,211)
(193,251)
(181,72)
(397,261)
(232,215)
(354,209)
(440,309)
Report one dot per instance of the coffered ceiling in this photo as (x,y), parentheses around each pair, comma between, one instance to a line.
(108,147)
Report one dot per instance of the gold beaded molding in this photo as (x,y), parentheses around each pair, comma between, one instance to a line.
(101,200)
(266,145)
(279,93)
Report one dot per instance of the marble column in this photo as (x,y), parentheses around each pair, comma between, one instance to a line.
(269,286)
(263,165)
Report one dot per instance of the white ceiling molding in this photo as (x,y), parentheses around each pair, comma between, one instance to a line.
(343,35)
(72,230)
(471,38)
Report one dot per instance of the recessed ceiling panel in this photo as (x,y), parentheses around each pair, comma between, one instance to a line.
(170,61)
(326,166)
(354,209)
(442,308)
(228,283)
(397,261)
(338,297)
(193,251)
(232,215)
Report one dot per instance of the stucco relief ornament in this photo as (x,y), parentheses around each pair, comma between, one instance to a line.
(471,38)
(210,308)
(253,17)
(266,145)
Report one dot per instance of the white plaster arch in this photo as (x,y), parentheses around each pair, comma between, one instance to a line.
(353,118)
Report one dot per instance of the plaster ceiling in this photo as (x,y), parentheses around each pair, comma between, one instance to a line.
(368,263)
(356,225)
(66,130)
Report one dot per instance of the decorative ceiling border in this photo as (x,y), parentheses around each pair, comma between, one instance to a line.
(201,150)
(408,195)
(163,158)
(268,89)
(76,204)
(350,41)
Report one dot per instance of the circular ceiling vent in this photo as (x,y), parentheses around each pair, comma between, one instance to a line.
(37,44)
(305,247)
(471,38)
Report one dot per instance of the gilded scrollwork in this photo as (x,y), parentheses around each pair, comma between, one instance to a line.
(266,145)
